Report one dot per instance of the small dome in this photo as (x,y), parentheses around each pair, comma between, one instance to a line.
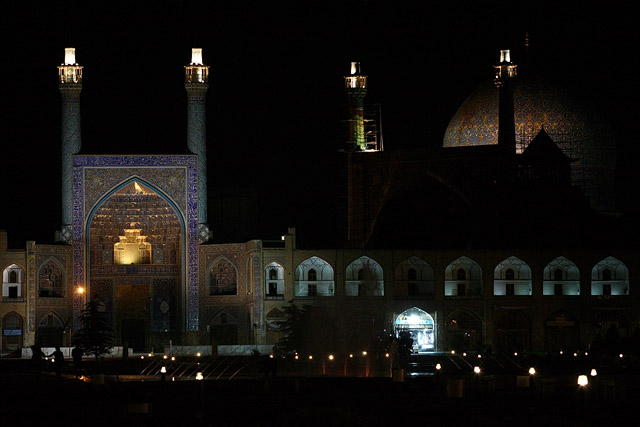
(572,126)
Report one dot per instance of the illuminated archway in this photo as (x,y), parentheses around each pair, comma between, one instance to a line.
(135,246)
(421,328)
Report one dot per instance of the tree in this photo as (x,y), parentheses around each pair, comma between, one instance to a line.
(95,337)
(295,328)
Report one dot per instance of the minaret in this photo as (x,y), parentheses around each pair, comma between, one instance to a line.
(505,71)
(356,88)
(196,81)
(70,84)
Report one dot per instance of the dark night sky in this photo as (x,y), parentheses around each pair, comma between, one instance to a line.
(276,100)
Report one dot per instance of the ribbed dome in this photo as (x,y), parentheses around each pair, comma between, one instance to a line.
(575,129)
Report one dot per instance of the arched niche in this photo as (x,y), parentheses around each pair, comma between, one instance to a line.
(420,326)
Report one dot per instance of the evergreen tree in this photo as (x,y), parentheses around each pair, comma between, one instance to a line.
(95,337)
(295,328)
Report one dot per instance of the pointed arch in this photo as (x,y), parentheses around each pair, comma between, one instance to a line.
(12,331)
(51,279)
(463,278)
(420,326)
(512,331)
(512,276)
(274,275)
(222,277)
(223,328)
(364,277)
(414,278)
(13,281)
(561,277)
(50,330)
(320,284)
(464,331)
(561,332)
(610,277)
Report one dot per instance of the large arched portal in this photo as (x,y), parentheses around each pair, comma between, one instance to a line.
(135,253)
(421,328)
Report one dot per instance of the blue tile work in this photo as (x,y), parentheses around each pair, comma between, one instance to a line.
(163,306)
(96,177)
(102,291)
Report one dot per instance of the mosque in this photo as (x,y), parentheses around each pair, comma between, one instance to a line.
(434,241)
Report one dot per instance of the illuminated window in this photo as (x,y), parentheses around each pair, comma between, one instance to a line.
(275,282)
(612,274)
(561,271)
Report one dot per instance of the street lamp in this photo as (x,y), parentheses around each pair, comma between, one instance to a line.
(532,371)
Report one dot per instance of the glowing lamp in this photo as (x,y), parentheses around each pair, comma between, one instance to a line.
(583,380)
(165,357)
(464,354)
(295,357)
(515,353)
(438,366)
(141,357)
(594,372)
(271,356)
(69,56)
(173,358)
(620,355)
(453,352)
(355,68)
(310,357)
(532,371)
(331,357)
(351,355)
(505,56)
(364,353)
(163,370)
(198,354)
(199,376)
(476,369)
(386,355)
(196,56)
(479,356)
(80,290)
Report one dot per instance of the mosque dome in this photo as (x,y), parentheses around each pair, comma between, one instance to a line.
(575,127)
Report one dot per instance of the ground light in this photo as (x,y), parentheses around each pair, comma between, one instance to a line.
(476,369)
(532,371)
(583,381)
(594,372)
(331,357)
